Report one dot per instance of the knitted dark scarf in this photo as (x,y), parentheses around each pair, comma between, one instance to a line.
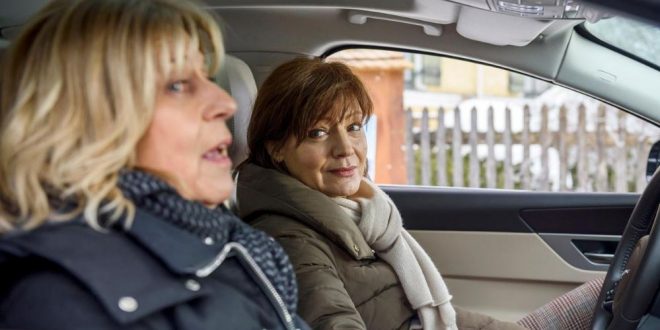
(158,198)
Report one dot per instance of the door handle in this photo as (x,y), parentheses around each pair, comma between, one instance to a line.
(599,258)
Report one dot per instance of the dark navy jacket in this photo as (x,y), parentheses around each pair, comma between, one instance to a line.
(69,276)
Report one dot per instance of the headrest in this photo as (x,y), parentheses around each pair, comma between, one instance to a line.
(237,79)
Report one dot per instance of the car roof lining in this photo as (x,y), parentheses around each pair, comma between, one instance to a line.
(475,21)
(285,17)
(337,32)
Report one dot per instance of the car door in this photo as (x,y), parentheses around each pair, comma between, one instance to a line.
(505,253)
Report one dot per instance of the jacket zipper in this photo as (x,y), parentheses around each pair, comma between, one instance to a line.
(243,254)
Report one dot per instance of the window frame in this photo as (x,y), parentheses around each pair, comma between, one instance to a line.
(440,55)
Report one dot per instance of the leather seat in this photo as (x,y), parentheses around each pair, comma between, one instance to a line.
(236,78)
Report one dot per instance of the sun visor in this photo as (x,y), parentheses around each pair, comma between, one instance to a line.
(498,29)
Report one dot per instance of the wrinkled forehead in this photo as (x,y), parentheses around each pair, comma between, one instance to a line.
(182,55)
(178,49)
(345,107)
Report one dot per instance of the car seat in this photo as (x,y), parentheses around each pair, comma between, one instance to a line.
(236,78)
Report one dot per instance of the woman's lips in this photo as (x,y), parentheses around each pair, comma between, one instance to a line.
(344,172)
(218,155)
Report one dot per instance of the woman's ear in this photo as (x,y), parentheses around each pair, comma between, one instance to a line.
(274,153)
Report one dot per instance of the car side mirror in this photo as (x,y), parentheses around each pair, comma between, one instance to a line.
(653,162)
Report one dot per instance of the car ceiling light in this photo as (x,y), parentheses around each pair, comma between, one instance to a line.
(551,9)
(519,8)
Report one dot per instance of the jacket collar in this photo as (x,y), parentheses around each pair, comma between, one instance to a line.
(182,252)
(150,264)
(260,190)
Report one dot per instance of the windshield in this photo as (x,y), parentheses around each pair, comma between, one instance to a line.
(631,36)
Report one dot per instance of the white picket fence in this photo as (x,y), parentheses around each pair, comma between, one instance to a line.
(589,147)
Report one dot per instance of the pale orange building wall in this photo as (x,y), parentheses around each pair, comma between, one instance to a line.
(386,90)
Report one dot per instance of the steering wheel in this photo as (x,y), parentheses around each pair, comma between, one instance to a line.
(633,278)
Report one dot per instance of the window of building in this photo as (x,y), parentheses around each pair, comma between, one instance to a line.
(431,70)
(516,83)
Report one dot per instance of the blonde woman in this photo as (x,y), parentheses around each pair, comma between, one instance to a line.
(113,170)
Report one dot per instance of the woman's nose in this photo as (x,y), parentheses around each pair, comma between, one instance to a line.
(222,105)
(342,145)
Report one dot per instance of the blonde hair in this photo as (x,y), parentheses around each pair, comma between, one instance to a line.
(78,93)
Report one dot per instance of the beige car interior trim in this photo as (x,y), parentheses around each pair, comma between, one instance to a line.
(504,275)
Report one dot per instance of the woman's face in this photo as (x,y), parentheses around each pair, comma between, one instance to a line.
(331,158)
(188,138)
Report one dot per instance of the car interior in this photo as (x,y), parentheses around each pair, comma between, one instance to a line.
(503,252)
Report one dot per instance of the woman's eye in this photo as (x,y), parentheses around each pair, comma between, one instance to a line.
(317,133)
(177,86)
(354,127)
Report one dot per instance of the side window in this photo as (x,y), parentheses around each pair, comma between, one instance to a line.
(440,121)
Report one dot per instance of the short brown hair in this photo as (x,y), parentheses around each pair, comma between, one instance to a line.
(297,95)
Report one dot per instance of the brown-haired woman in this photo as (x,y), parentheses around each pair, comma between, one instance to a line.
(304,184)
(113,171)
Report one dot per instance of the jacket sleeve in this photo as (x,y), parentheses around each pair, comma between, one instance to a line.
(323,300)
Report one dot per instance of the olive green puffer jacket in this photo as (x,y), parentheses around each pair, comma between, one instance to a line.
(342,283)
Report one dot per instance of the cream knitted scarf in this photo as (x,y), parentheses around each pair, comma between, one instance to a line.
(380,223)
